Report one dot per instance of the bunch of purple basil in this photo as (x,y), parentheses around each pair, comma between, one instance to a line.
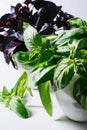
(45,16)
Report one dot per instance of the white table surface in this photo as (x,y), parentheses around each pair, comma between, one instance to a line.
(40,120)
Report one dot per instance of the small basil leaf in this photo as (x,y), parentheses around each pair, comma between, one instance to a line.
(81,67)
(21,85)
(4,94)
(81,44)
(80,91)
(51,37)
(29,90)
(44,92)
(21,57)
(77,22)
(82,54)
(18,107)
(63,50)
(74,33)
(63,73)
(32,38)
(26,60)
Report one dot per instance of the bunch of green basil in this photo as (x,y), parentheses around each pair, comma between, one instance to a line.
(58,57)
(73,43)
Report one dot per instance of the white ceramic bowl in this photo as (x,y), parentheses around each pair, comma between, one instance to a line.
(69,105)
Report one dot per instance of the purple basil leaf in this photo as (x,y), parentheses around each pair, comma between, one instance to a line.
(9,50)
(46,29)
(4,20)
(27,2)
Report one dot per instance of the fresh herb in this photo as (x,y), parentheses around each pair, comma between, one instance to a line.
(14,99)
(66,57)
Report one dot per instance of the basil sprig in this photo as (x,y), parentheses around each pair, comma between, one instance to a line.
(14,99)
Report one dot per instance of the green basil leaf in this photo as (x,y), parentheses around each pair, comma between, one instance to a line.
(51,37)
(77,22)
(42,74)
(18,107)
(86,106)
(45,55)
(80,91)
(4,94)
(44,92)
(1,98)
(81,44)
(25,25)
(63,73)
(21,85)
(75,33)
(29,90)
(63,50)
(82,54)
(21,57)
(25,60)
(46,74)
(81,67)
(32,38)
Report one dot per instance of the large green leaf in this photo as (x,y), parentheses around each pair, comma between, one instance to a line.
(63,73)
(44,91)
(32,38)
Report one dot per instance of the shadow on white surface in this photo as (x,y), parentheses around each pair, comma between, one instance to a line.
(79,125)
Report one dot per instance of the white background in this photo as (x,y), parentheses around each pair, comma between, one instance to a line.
(8,76)
(76,7)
